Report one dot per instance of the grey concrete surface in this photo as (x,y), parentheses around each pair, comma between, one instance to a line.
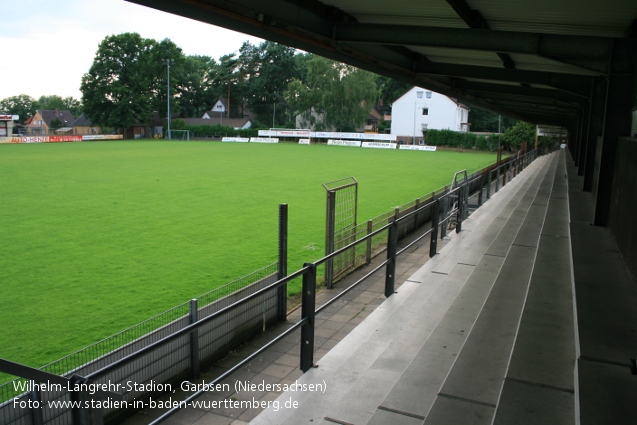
(414,351)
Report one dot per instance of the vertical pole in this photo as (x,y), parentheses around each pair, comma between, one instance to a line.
(194,341)
(497,179)
(368,254)
(489,184)
(37,417)
(329,237)
(282,268)
(169,135)
(481,189)
(445,206)
(390,271)
(416,214)
(435,221)
(461,206)
(465,211)
(308,302)
(79,415)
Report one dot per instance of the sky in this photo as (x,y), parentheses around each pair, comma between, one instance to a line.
(49,45)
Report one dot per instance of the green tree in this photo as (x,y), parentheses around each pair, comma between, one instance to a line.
(195,87)
(127,80)
(22,105)
(489,122)
(268,69)
(390,89)
(521,132)
(64,104)
(334,97)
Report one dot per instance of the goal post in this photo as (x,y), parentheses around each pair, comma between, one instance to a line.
(180,135)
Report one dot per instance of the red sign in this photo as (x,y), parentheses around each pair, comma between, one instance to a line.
(65,138)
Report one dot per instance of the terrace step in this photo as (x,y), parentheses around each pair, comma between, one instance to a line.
(540,382)
(378,363)
(473,385)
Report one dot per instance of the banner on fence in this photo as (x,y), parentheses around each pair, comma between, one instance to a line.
(285,133)
(264,140)
(103,137)
(304,141)
(379,145)
(59,139)
(355,143)
(418,148)
(235,139)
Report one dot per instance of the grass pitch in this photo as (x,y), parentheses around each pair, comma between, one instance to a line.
(96,237)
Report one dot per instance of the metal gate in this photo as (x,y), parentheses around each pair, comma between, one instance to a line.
(340,227)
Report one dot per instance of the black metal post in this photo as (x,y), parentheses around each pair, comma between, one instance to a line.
(459,214)
(435,223)
(489,184)
(497,179)
(79,415)
(416,214)
(282,268)
(308,305)
(445,207)
(390,271)
(368,253)
(481,189)
(194,341)
(37,416)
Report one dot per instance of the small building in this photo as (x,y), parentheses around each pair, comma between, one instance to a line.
(83,126)
(420,110)
(45,122)
(7,124)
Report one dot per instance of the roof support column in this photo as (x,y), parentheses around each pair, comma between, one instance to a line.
(617,121)
(594,128)
(581,126)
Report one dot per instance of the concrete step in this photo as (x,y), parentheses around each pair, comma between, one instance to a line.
(364,367)
(473,385)
(540,382)
(416,390)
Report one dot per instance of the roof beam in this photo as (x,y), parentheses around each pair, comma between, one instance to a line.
(564,48)
(520,91)
(576,84)
(473,18)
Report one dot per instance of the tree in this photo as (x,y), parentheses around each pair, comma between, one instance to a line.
(22,105)
(521,132)
(268,69)
(127,80)
(391,89)
(195,87)
(487,121)
(64,104)
(335,96)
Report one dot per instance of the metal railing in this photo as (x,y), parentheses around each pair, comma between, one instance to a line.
(183,339)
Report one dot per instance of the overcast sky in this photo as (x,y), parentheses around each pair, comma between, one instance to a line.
(49,45)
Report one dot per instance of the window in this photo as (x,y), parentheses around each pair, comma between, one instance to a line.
(428,95)
(425,111)
(419,94)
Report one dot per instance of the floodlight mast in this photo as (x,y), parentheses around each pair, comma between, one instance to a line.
(168,62)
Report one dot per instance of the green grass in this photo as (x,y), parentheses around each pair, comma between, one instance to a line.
(96,237)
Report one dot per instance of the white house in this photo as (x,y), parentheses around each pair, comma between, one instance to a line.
(421,109)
